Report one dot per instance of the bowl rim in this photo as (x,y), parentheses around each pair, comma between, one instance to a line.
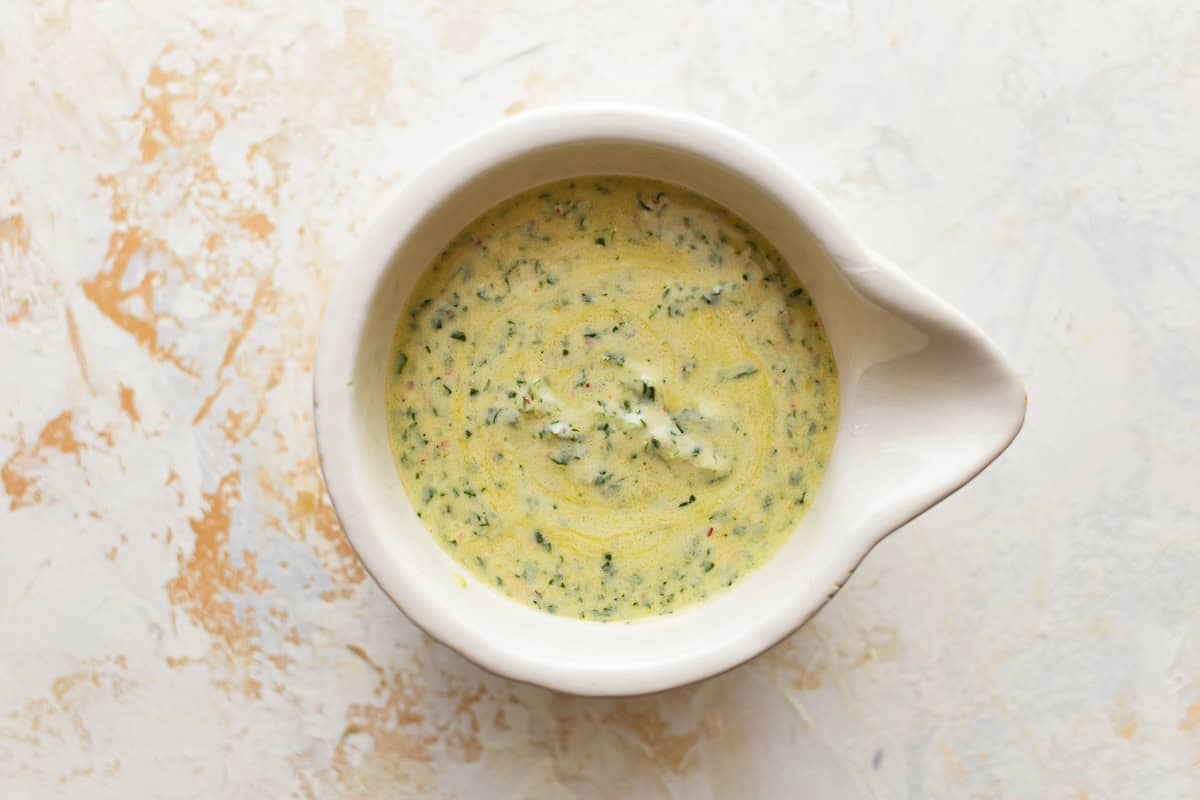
(458,166)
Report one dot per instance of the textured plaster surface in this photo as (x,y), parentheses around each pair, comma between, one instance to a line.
(180,615)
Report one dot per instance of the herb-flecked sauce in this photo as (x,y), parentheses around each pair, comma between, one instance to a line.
(611,398)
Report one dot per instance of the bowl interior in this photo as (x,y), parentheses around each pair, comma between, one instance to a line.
(921,412)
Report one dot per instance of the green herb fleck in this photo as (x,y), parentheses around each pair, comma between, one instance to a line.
(743,372)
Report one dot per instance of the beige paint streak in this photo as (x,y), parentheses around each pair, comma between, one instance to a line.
(14,235)
(77,347)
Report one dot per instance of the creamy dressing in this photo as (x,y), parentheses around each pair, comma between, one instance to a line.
(611,398)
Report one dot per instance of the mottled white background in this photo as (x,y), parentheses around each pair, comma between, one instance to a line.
(179,185)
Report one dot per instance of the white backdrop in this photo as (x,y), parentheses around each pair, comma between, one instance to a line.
(179,186)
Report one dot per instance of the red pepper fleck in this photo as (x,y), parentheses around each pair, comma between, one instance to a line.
(587,386)
(710,530)
(538,592)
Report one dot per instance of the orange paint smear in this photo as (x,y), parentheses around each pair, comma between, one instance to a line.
(1192,720)
(62,715)
(402,746)
(20,487)
(177,110)
(263,299)
(57,435)
(121,306)
(128,405)
(208,580)
(206,406)
(256,223)
(18,314)
(14,234)
(344,567)
(261,294)
(306,511)
(161,126)
(409,731)
(161,119)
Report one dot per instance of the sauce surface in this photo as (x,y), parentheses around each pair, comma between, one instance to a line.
(610,398)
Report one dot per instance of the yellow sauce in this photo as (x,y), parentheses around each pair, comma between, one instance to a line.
(611,398)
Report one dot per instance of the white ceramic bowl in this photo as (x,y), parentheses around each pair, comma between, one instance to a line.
(927,401)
